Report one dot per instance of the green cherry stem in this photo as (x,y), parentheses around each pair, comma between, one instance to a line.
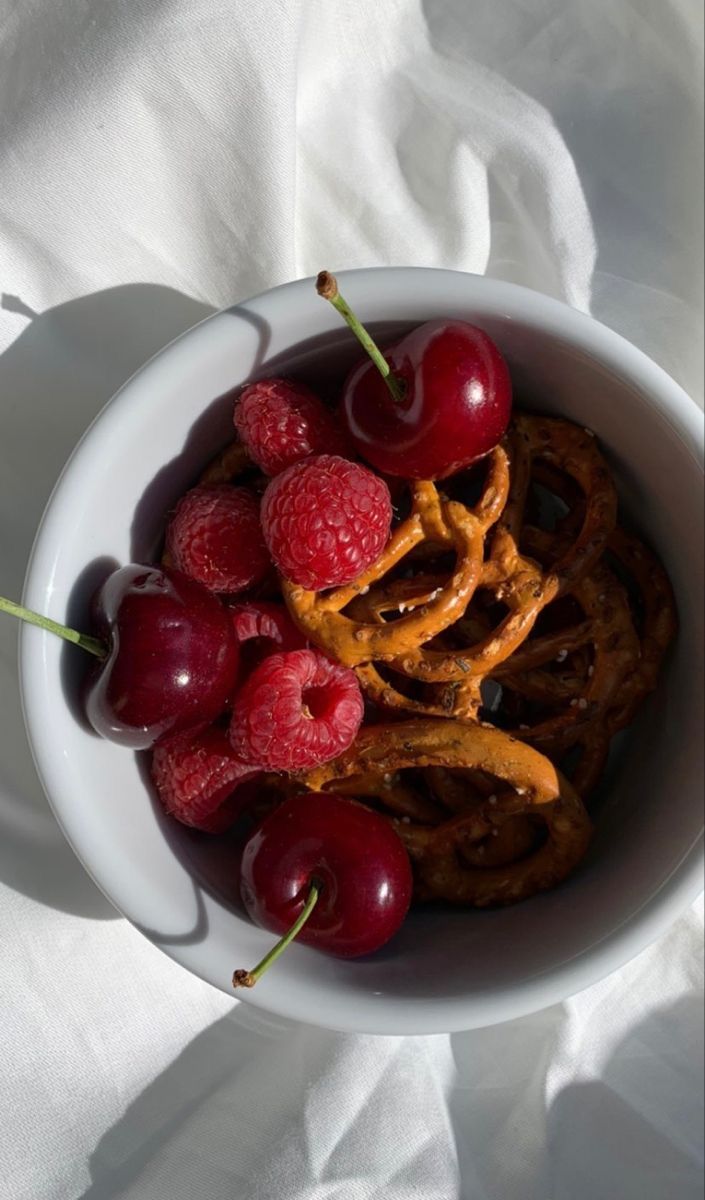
(249,978)
(91,644)
(327,287)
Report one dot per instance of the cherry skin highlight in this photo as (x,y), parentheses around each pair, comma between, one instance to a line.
(350,852)
(454,404)
(172,656)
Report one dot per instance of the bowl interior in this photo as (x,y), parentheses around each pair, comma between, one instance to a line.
(445,970)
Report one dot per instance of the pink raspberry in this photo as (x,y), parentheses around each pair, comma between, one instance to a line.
(281,421)
(296,710)
(263,628)
(197,777)
(215,536)
(325,521)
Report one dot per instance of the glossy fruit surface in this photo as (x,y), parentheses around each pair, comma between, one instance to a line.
(353,853)
(172,661)
(455,406)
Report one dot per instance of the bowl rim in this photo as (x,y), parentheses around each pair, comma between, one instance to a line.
(412,1016)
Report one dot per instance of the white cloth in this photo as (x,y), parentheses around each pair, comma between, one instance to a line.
(158,159)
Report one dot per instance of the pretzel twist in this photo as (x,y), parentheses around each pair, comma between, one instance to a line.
(433,520)
(528,784)
(422,642)
(563,447)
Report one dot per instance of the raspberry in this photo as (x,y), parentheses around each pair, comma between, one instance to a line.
(264,628)
(281,421)
(215,536)
(325,521)
(296,710)
(197,777)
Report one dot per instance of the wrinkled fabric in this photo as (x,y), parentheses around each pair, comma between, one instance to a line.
(162,158)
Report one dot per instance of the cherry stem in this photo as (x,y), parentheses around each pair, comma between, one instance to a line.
(91,644)
(249,978)
(327,287)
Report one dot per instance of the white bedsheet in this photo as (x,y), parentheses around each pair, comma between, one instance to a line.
(159,158)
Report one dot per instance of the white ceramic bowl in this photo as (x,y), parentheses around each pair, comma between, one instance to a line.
(445,971)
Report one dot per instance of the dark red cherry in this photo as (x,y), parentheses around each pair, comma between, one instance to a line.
(172,656)
(435,402)
(454,407)
(353,857)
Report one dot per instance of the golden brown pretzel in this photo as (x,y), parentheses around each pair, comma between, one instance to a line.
(462,792)
(227,465)
(526,593)
(586,720)
(527,783)
(459,699)
(547,447)
(659,623)
(567,448)
(451,677)
(432,519)
(394,795)
(390,690)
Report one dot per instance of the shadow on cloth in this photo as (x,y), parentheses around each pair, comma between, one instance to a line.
(636,1132)
(238,1111)
(632,1134)
(54,379)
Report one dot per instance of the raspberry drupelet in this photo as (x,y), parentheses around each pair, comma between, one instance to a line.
(197,776)
(263,628)
(296,710)
(280,421)
(325,521)
(215,537)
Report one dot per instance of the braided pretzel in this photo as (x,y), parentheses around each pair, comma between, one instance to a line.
(434,520)
(529,784)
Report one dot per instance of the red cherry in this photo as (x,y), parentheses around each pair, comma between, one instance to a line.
(437,400)
(455,407)
(348,854)
(172,656)
(167,655)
